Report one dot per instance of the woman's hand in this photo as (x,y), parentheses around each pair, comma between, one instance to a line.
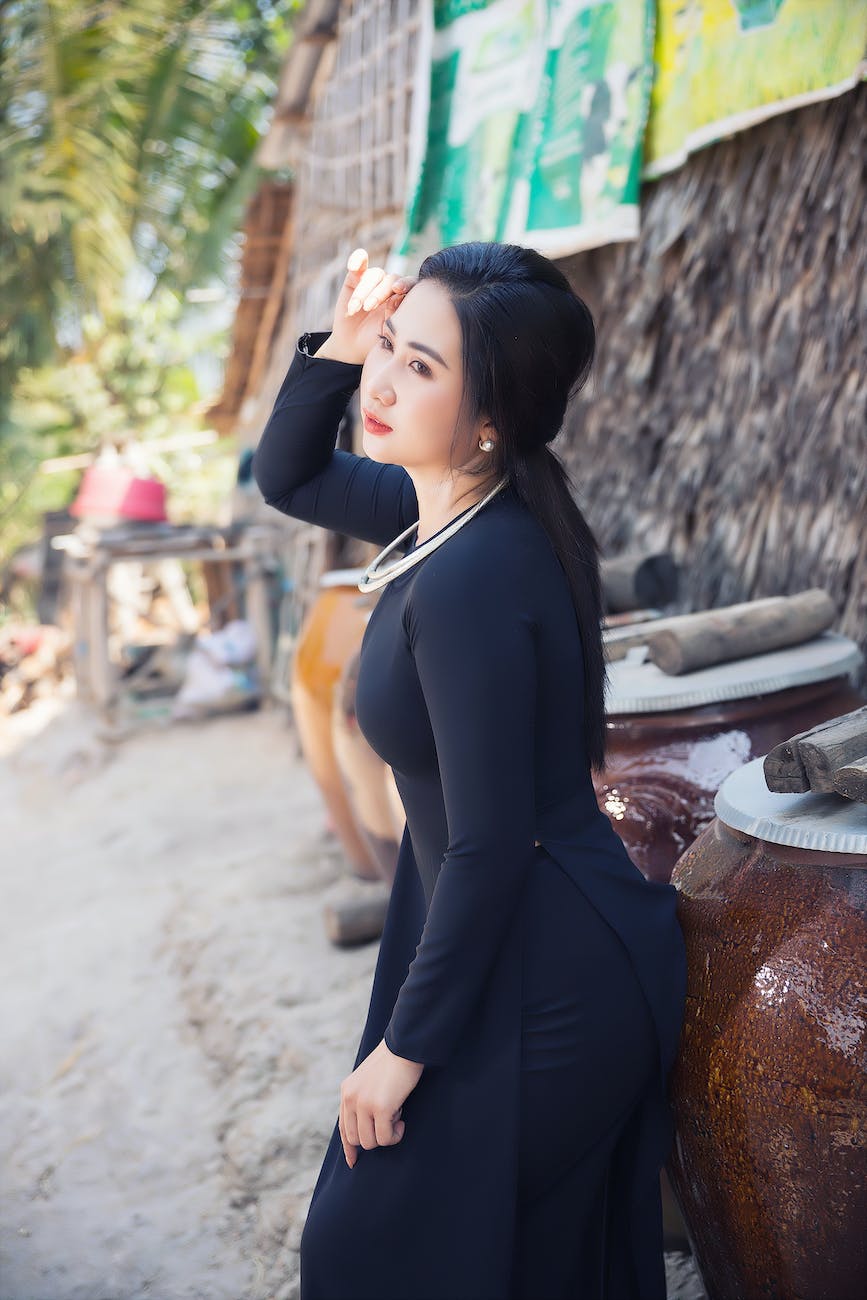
(368,295)
(371,1099)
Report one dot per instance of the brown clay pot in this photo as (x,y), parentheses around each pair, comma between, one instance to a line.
(769,1163)
(329,635)
(665,767)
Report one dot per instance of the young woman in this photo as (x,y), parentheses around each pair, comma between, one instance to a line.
(502,1132)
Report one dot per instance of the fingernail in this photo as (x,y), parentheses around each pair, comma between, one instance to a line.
(355,260)
(370,302)
(353,307)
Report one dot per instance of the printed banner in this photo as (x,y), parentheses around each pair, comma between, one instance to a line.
(723,65)
(530,127)
(535,121)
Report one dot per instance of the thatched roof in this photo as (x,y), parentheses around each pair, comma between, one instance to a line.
(307,64)
(727,419)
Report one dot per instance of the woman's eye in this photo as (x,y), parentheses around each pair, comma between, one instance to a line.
(385,342)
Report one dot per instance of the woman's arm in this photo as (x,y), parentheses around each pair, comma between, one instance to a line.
(474,646)
(301,473)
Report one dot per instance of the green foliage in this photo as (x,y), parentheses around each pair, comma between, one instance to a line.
(127,138)
(128,130)
(130,387)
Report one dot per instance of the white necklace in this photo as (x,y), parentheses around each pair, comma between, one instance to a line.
(375,576)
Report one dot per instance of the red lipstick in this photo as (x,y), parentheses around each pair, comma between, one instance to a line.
(372,425)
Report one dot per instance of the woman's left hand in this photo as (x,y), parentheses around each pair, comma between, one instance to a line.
(371,1099)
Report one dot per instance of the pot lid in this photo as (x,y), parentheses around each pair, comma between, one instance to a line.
(642,687)
(827,822)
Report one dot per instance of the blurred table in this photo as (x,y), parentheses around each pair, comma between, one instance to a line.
(89,554)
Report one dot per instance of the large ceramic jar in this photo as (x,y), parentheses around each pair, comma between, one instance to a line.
(769,1162)
(672,740)
(330,634)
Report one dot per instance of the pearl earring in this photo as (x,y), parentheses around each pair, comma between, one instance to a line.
(487,445)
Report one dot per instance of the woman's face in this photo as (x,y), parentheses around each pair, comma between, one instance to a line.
(412,382)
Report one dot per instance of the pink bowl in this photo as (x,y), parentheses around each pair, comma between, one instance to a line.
(114,490)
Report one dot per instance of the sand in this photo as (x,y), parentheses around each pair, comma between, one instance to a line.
(176,1023)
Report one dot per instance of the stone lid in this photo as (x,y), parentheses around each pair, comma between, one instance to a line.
(826,822)
(641,687)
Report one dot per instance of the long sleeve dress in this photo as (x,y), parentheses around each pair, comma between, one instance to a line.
(525,961)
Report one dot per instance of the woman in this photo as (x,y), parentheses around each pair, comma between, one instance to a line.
(501,1134)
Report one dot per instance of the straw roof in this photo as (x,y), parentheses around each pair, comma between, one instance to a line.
(727,419)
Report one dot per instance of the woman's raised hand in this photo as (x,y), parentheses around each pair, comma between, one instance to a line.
(368,295)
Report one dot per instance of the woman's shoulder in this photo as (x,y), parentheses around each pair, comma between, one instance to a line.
(494,559)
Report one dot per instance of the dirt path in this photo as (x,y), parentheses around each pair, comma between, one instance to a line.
(176,1023)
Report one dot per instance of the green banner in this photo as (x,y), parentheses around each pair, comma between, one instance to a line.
(533,126)
(535,121)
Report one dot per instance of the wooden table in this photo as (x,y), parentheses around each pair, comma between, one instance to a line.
(89,555)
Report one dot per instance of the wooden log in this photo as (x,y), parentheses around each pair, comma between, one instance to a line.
(842,741)
(851,780)
(718,635)
(789,770)
(621,639)
(359,917)
(783,769)
(632,581)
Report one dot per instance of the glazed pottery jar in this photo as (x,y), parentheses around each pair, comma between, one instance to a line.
(330,634)
(769,1162)
(672,740)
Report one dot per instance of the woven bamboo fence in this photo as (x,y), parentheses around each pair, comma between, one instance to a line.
(351,177)
(349,156)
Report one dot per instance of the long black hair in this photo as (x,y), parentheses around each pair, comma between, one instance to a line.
(528,343)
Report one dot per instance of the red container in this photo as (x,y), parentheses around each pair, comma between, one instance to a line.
(114,491)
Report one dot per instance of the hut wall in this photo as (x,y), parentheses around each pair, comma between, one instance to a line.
(350,156)
(351,176)
(727,418)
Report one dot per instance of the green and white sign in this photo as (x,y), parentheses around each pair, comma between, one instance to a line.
(532,128)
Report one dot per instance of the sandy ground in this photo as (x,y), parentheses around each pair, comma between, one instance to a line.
(175,1022)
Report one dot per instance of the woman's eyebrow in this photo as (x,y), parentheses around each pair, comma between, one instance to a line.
(420,347)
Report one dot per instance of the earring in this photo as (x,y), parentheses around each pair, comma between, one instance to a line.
(487,445)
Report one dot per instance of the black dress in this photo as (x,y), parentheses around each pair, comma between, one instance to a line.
(541,985)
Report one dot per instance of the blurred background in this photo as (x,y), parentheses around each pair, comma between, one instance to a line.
(198,843)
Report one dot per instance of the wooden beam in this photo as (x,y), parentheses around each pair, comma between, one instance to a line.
(271,309)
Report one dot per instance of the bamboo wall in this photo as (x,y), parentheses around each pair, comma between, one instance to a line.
(351,176)
(348,149)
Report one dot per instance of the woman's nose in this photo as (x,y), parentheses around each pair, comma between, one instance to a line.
(381,390)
